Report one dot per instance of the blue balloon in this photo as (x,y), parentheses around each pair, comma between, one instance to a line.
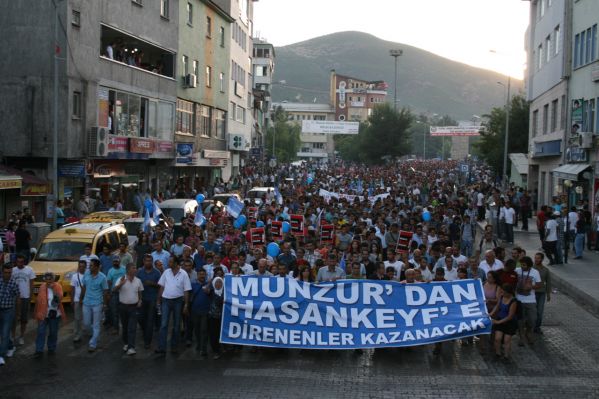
(259,223)
(242,220)
(273,249)
(426,216)
(286,227)
(309,180)
(200,198)
(237,224)
(285,216)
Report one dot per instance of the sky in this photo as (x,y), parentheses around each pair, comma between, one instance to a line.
(483,33)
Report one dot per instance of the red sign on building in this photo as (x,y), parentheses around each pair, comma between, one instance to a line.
(141,146)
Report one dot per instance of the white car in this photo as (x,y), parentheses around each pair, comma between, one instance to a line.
(178,208)
(133,226)
(255,194)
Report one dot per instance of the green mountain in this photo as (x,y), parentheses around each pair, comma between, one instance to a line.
(426,82)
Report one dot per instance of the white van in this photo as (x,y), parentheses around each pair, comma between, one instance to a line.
(255,194)
(178,208)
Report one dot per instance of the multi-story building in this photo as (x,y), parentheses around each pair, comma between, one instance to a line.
(263,69)
(239,127)
(582,155)
(202,94)
(548,50)
(354,99)
(116,97)
(314,146)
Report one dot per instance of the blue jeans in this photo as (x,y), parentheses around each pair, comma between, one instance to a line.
(92,317)
(579,244)
(49,328)
(170,307)
(7,317)
(541,297)
(467,248)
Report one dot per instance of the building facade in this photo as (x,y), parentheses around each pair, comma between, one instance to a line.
(354,99)
(202,94)
(547,78)
(263,66)
(117,91)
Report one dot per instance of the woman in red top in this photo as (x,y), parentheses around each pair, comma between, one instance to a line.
(48,312)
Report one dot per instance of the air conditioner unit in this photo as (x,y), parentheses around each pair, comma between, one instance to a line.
(585,139)
(191,80)
(97,142)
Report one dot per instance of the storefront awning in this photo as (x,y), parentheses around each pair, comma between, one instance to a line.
(570,171)
(31,185)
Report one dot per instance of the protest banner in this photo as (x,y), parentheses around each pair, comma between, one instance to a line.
(297,225)
(403,243)
(327,233)
(276,230)
(350,314)
(257,238)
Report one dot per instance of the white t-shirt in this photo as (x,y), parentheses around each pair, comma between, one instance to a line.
(174,285)
(247,268)
(532,274)
(460,259)
(485,267)
(480,197)
(427,275)
(397,265)
(451,275)
(129,292)
(572,219)
(23,278)
(76,284)
(52,306)
(551,227)
(509,214)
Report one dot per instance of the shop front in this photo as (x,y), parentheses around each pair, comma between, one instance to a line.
(32,195)
(10,189)
(574,183)
(197,170)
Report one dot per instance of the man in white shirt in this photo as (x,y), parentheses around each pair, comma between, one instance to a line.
(490,263)
(173,295)
(394,263)
(76,284)
(88,256)
(551,236)
(24,275)
(129,288)
(529,280)
(459,259)
(508,214)
(246,268)
(261,270)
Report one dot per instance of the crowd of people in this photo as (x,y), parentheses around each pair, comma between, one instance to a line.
(171,280)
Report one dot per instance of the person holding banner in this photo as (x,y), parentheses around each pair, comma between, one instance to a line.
(504,320)
(331,272)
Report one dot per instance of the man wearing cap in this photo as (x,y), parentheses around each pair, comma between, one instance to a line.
(48,313)
(9,305)
(330,272)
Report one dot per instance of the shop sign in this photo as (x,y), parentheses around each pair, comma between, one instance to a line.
(10,183)
(184,153)
(141,146)
(213,154)
(35,190)
(117,143)
(163,146)
(71,169)
(216,162)
(108,170)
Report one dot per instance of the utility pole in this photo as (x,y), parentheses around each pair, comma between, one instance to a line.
(507,132)
(395,53)
(55,117)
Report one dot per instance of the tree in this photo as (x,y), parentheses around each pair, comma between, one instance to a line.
(384,134)
(436,147)
(286,137)
(491,144)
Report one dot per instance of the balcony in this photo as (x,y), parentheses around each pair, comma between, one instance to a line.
(133,52)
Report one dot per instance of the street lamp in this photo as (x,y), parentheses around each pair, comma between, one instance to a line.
(395,53)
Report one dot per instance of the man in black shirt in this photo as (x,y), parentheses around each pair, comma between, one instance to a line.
(22,239)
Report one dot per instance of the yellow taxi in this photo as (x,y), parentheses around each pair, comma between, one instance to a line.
(108,216)
(61,249)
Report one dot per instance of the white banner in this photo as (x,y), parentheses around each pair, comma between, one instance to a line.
(327,195)
(455,130)
(330,127)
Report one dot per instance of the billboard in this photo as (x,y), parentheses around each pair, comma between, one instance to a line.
(455,130)
(330,127)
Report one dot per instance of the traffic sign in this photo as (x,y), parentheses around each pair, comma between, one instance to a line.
(464,168)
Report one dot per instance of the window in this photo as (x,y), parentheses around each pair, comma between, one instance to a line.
(240,114)
(535,122)
(542,12)
(221,82)
(164,8)
(76,18)
(562,114)
(576,49)
(553,115)
(318,145)
(76,105)
(208,76)
(194,67)
(591,115)
(319,117)
(548,48)
(208,27)
(581,52)
(585,47)
(185,62)
(222,36)
(203,120)
(556,40)
(261,70)
(232,110)
(184,117)
(545,118)
(594,43)
(220,123)
(189,14)
(540,56)
(587,57)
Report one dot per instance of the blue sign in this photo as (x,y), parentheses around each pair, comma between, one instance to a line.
(71,169)
(184,153)
(348,314)
(464,168)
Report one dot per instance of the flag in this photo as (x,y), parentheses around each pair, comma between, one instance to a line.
(157,212)
(342,263)
(199,219)
(234,207)
(148,222)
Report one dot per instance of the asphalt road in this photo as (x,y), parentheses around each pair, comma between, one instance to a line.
(564,362)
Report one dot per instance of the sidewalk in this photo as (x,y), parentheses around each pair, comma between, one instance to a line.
(579,278)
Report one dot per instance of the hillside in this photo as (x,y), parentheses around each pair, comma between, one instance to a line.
(426,82)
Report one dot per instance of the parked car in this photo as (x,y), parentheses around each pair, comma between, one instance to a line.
(224,197)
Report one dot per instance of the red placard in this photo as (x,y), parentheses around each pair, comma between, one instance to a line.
(252,213)
(327,232)
(403,244)
(297,225)
(257,237)
(118,143)
(276,230)
(141,146)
